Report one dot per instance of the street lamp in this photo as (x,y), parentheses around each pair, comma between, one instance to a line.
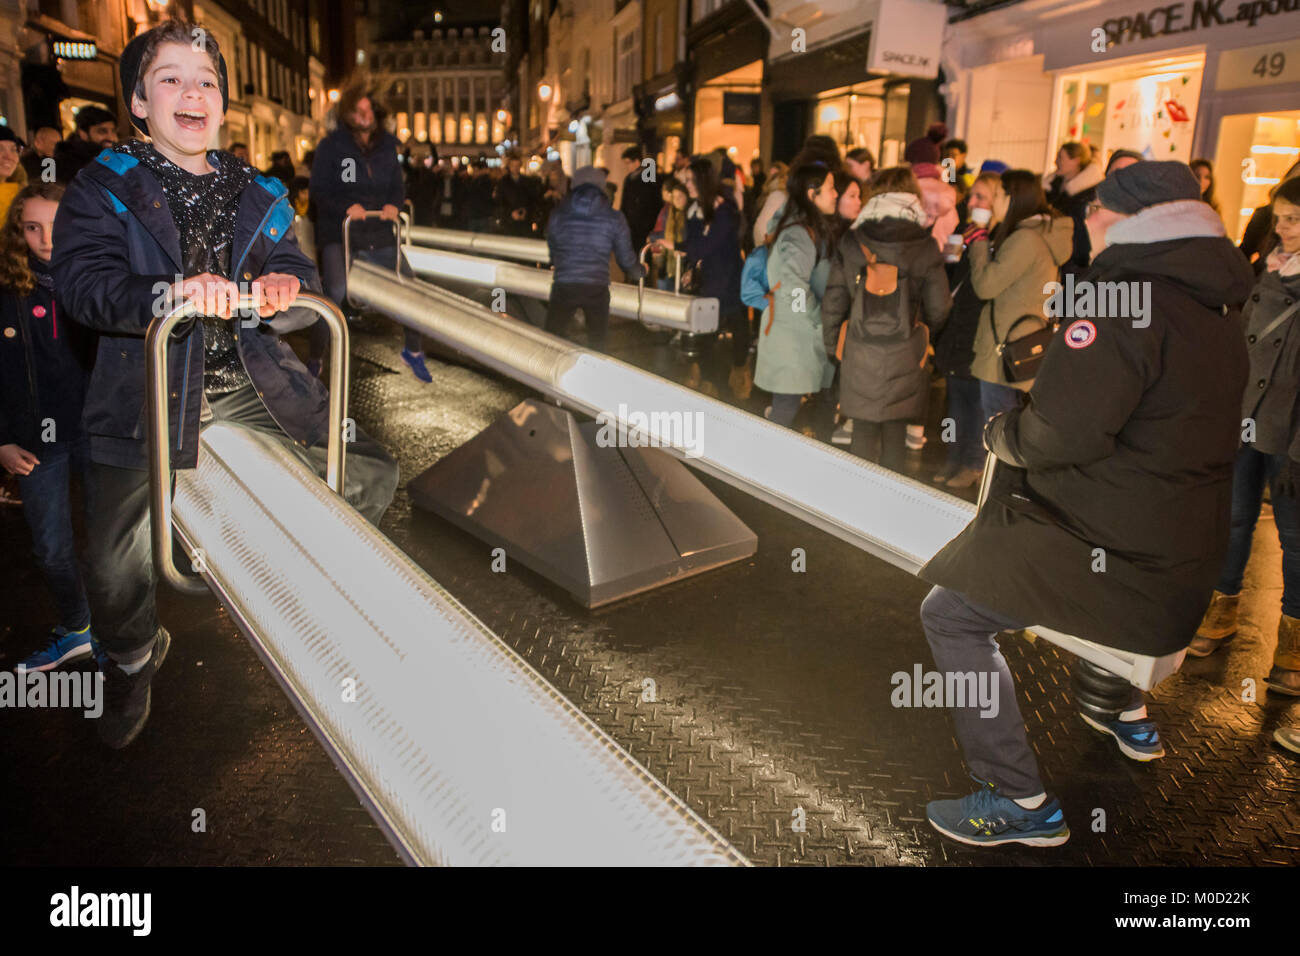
(544,91)
(333,96)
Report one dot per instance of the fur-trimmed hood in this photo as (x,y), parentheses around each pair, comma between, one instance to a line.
(1181,219)
(1085,179)
(1182,243)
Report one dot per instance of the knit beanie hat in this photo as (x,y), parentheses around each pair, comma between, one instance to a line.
(1148,183)
(129,69)
(590,176)
(926,149)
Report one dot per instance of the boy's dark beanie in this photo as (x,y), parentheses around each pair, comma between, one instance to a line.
(89,116)
(6,133)
(129,68)
(1148,183)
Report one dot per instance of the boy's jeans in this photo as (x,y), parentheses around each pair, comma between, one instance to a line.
(334,278)
(47,506)
(1251,472)
(119,559)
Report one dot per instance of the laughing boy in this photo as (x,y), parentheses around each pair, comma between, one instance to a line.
(168,213)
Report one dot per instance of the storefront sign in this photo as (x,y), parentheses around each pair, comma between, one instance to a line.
(1263,65)
(906,38)
(741,109)
(1196,15)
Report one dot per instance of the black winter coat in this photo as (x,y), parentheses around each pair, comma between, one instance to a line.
(117,251)
(954,347)
(1127,445)
(1073,198)
(640,205)
(716,247)
(71,155)
(44,364)
(517,192)
(1273,388)
(342,174)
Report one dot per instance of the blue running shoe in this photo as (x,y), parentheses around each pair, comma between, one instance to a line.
(416,361)
(64,646)
(986,818)
(1137,739)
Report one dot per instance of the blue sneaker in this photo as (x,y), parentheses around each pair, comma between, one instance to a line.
(986,818)
(1137,739)
(416,361)
(64,646)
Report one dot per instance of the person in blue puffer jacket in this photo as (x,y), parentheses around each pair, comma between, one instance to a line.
(581,233)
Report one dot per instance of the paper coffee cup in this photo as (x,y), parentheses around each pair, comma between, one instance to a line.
(981,217)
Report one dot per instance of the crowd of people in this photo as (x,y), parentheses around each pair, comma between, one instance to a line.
(841,286)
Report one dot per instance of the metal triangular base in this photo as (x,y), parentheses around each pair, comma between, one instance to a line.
(603,523)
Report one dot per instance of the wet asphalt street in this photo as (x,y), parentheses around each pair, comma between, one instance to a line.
(773,694)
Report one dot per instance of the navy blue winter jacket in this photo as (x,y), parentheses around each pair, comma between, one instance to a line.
(373,179)
(582,232)
(44,364)
(117,251)
(716,247)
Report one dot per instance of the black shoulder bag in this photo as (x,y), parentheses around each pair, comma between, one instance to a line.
(1021,357)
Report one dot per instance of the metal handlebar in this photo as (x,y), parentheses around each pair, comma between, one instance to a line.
(403,221)
(157,344)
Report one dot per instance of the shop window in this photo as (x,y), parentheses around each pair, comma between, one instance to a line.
(1256,151)
(1148,107)
(852,117)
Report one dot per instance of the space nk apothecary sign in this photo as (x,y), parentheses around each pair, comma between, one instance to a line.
(1194,15)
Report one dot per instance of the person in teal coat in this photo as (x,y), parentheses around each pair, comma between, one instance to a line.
(792,358)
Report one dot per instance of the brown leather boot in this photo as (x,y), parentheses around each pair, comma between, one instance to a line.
(1217,627)
(741,381)
(1284,678)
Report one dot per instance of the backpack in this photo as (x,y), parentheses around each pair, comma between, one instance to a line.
(753,279)
(881,309)
(754,291)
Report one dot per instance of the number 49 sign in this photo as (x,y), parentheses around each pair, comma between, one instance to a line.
(1264,65)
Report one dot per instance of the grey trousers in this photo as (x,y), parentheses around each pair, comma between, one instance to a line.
(963,639)
(121,581)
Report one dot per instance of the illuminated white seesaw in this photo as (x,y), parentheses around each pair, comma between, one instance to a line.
(485,270)
(884,513)
(461,751)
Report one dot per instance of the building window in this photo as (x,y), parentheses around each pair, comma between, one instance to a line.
(659,43)
(629,57)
